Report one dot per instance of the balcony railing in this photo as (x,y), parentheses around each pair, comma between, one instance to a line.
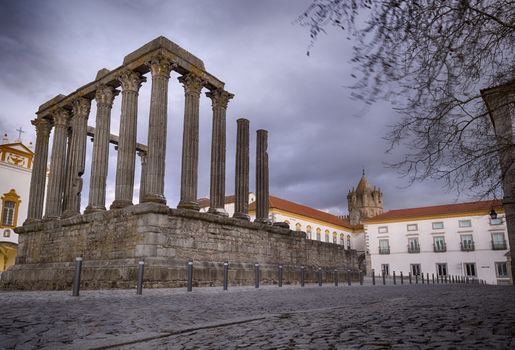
(467,246)
(439,248)
(384,250)
(499,245)
(413,248)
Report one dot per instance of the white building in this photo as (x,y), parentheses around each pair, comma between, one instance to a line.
(455,239)
(15,172)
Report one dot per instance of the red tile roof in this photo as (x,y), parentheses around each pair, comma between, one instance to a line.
(437,210)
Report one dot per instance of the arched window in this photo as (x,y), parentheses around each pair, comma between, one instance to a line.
(308,231)
(10,204)
(287,222)
(342,239)
(348,241)
(335,237)
(297,227)
(319,234)
(327,236)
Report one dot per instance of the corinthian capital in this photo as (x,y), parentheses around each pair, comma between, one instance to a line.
(131,81)
(192,83)
(61,117)
(43,126)
(81,107)
(219,98)
(160,66)
(105,95)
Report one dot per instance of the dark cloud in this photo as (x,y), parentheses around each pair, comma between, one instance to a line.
(320,139)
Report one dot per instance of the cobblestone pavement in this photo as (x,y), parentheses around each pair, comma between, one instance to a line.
(356,317)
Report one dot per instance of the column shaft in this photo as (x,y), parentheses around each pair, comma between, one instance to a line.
(143,177)
(104,97)
(190,142)
(219,98)
(262,191)
(241,206)
(39,169)
(155,169)
(77,160)
(125,164)
(57,165)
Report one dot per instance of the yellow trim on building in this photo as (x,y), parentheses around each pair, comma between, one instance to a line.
(436,216)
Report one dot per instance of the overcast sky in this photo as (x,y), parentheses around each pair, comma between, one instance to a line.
(319,138)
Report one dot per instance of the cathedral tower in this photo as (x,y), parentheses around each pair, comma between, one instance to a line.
(364,202)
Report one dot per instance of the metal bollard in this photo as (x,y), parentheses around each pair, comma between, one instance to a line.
(384,278)
(76,277)
(394,280)
(226,275)
(427,278)
(433,277)
(190,276)
(280,275)
(422,276)
(402,278)
(302,276)
(348,278)
(335,277)
(139,281)
(360,278)
(373,277)
(256,275)
(416,279)
(409,276)
(320,277)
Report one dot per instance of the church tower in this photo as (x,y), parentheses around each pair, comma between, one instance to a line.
(364,202)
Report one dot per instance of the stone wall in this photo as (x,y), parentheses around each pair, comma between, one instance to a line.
(111,243)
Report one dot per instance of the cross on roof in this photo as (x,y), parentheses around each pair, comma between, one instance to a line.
(20,131)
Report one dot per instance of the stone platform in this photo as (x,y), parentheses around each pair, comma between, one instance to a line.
(112,243)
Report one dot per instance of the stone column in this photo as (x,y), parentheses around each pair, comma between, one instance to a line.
(39,169)
(77,161)
(126,162)
(220,98)
(153,186)
(143,158)
(190,140)
(241,206)
(57,165)
(104,97)
(262,193)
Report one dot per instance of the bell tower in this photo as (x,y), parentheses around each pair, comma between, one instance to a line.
(364,202)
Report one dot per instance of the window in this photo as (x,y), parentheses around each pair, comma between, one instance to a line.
(348,241)
(342,239)
(297,227)
(385,269)
(413,246)
(382,229)
(319,234)
(384,246)
(467,244)
(470,269)
(437,225)
(7,233)
(335,237)
(465,223)
(441,269)
(496,221)
(439,244)
(10,204)
(498,241)
(415,269)
(327,236)
(412,227)
(308,231)
(501,269)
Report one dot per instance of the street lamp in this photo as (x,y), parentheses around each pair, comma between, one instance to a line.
(493,214)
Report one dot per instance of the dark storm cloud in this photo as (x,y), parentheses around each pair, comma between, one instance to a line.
(319,139)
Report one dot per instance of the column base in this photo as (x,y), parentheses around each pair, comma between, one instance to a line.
(241,216)
(192,205)
(120,203)
(93,209)
(218,211)
(263,221)
(31,221)
(154,198)
(69,214)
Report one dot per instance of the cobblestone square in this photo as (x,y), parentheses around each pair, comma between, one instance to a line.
(357,317)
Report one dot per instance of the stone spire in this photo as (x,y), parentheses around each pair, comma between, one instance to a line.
(364,202)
